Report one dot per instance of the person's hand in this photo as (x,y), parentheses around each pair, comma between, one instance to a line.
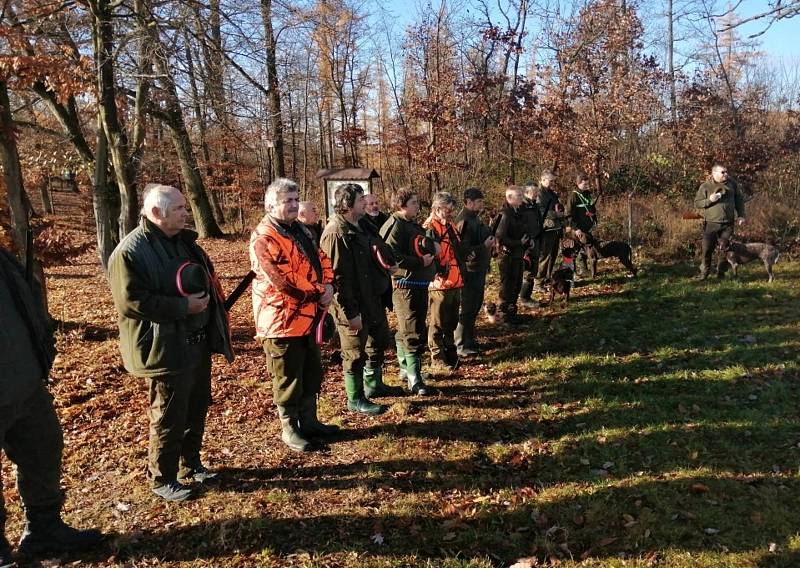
(394,268)
(489,242)
(437,247)
(355,323)
(714,197)
(198,302)
(741,220)
(327,297)
(525,240)
(427,259)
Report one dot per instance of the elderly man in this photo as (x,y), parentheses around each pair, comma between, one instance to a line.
(171,319)
(721,203)
(30,434)
(552,215)
(361,282)
(292,288)
(444,293)
(478,242)
(513,239)
(308,215)
(410,284)
(373,213)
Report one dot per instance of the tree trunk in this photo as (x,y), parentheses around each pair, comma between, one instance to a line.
(103,202)
(671,65)
(274,99)
(116,136)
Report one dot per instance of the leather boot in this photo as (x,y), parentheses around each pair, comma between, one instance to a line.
(526,293)
(356,401)
(290,429)
(45,532)
(416,378)
(374,385)
(309,423)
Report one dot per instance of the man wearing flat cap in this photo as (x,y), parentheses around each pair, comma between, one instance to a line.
(171,319)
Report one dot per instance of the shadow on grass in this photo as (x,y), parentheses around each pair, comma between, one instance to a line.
(721,518)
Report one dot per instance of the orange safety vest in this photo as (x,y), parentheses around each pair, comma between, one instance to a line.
(449,278)
(286,289)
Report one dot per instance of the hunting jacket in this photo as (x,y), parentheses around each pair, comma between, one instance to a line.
(551,209)
(474,232)
(358,280)
(399,233)
(450,259)
(152,319)
(512,228)
(727,209)
(289,279)
(581,210)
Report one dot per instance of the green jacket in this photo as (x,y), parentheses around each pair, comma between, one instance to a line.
(359,281)
(27,347)
(153,321)
(512,228)
(727,209)
(399,233)
(581,210)
(474,233)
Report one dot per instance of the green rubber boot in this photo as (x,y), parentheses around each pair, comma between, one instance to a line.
(374,385)
(356,401)
(415,376)
(401,361)
(290,429)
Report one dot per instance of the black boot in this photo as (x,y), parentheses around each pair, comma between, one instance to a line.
(45,532)
(525,294)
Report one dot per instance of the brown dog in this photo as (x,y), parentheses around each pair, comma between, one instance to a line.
(741,253)
(562,279)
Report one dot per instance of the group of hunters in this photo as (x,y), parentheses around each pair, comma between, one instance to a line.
(363,263)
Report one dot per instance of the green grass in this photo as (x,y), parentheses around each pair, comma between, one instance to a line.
(653,422)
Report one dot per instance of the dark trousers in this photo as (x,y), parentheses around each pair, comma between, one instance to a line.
(471,302)
(411,310)
(712,233)
(366,346)
(443,311)
(178,408)
(31,437)
(511,268)
(295,365)
(548,253)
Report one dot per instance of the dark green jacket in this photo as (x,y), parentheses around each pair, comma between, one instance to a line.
(27,347)
(727,209)
(512,228)
(550,209)
(474,233)
(359,281)
(533,218)
(581,211)
(399,233)
(153,321)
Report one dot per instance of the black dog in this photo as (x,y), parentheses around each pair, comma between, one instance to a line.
(742,253)
(596,250)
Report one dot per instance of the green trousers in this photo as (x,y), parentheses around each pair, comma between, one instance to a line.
(178,408)
(31,437)
(443,308)
(365,348)
(295,365)
(548,253)
(411,310)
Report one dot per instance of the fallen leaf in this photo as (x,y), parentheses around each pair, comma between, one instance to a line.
(700,488)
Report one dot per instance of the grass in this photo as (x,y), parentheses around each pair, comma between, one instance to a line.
(653,422)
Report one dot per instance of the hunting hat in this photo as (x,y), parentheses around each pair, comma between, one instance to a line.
(188,278)
(422,245)
(325,328)
(382,254)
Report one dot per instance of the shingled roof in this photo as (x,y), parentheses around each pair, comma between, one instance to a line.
(347,173)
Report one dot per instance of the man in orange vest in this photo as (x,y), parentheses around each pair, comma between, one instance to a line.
(444,293)
(292,287)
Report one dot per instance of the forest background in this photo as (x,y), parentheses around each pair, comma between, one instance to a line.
(219,98)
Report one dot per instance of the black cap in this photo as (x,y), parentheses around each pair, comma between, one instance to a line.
(190,278)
